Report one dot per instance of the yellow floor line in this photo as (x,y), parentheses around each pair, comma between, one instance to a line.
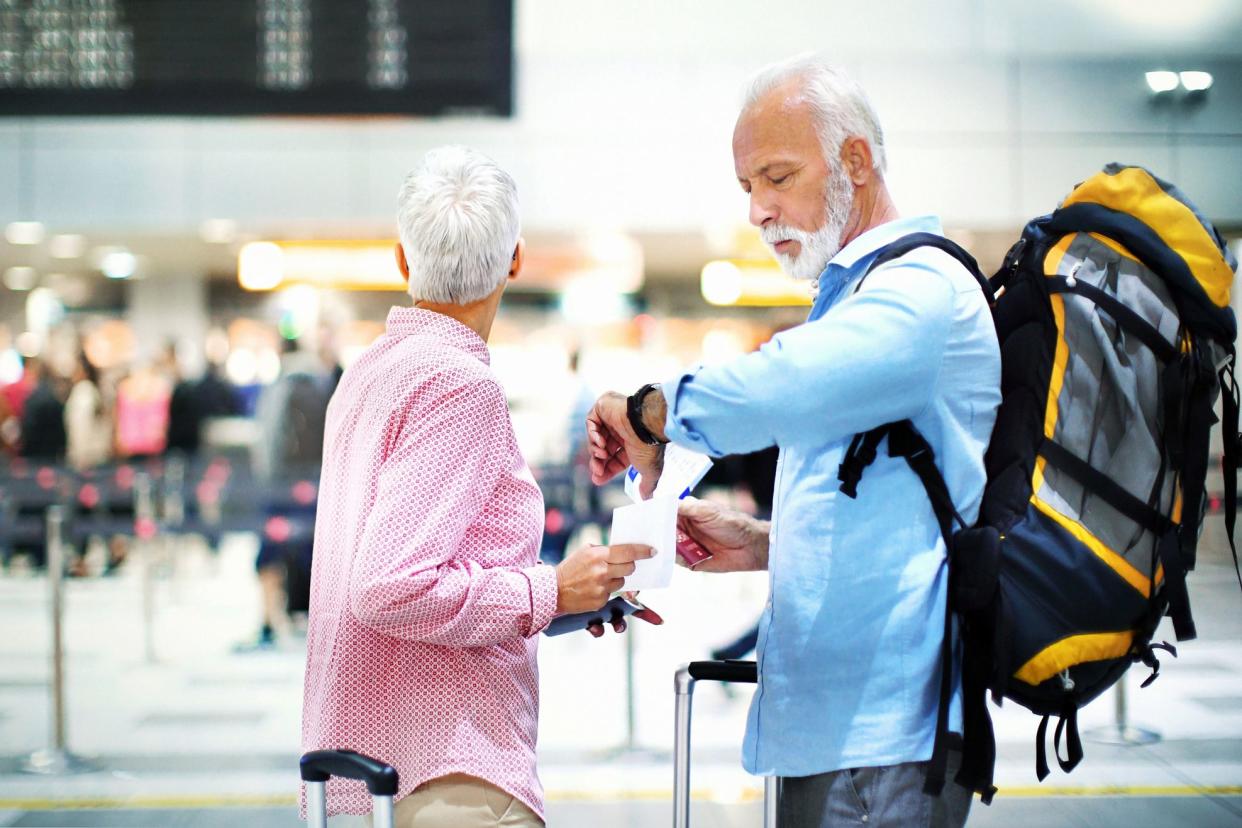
(173,802)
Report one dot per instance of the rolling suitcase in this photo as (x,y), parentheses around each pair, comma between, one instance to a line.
(683,684)
(319,766)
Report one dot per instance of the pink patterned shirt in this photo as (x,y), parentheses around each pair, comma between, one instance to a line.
(426,592)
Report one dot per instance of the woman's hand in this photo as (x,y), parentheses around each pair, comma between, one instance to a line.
(619,626)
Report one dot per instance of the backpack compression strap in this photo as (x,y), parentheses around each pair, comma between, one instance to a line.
(1229,457)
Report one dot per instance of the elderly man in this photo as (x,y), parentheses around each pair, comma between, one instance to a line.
(850,640)
(426,591)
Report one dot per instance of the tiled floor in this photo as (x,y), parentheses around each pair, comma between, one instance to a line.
(202,737)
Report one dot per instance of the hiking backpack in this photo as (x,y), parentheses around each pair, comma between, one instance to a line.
(1116,339)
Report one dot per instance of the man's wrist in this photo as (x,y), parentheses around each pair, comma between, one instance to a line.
(654,410)
(645,411)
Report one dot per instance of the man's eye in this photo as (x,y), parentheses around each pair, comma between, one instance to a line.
(780,181)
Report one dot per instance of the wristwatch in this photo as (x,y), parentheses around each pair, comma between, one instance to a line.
(634,411)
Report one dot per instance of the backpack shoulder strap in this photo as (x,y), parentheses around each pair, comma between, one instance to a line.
(905,441)
(862,450)
(914,241)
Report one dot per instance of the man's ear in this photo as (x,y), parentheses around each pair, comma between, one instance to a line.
(856,159)
(519,257)
(402,264)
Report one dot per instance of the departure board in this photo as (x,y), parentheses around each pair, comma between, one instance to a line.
(253,57)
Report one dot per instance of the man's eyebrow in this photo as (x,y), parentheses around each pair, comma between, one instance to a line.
(768,166)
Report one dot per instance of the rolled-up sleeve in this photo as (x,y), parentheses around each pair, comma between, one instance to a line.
(871,359)
(407,580)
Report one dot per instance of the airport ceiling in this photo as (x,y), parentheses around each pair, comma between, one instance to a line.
(995,28)
(733,31)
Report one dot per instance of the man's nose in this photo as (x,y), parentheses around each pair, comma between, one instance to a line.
(761,210)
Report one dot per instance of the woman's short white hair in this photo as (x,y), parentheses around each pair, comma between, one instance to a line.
(841,107)
(457,216)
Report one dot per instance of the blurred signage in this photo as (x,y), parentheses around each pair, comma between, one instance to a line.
(605,264)
(249,57)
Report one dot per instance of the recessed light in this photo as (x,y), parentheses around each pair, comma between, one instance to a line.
(20,278)
(1196,81)
(67,246)
(119,264)
(1162,81)
(24,232)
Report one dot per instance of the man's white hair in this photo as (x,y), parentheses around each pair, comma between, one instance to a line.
(457,216)
(840,106)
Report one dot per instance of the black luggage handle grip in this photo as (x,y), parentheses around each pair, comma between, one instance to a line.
(320,765)
(739,671)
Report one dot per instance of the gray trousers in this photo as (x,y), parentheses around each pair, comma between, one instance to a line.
(875,797)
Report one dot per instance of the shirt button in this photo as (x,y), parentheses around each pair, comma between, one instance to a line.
(866,818)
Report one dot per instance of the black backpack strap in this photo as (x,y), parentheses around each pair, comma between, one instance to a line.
(1229,456)
(1126,318)
(1105,487)
(1068,726)
(1041,749)
(858,456)
(1198,388)
(913,241)
(904,441)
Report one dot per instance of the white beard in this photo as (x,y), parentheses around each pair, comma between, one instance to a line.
(816,248)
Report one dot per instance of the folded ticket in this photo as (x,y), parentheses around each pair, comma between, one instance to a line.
(654,522)
(683,469)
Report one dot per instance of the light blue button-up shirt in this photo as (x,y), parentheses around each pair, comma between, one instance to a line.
(849,643)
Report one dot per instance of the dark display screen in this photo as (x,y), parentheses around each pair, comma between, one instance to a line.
(253,57)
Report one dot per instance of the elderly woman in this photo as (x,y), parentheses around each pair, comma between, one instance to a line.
(427,593)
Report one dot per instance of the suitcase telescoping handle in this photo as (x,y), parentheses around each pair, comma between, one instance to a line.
(745,672)
(320,765)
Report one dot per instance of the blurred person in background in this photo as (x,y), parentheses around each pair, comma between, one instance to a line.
(194,402)
(88,423)
(291,415)
(12,401)
(427,592)
(850,642)
(142,400)
(43,415)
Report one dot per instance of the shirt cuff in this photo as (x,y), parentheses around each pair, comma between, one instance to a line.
(543,590)
(674,431)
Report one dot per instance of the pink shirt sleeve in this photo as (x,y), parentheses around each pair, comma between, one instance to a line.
(408,580)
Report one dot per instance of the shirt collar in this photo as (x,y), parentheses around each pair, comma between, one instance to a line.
(420,322)
(852,259)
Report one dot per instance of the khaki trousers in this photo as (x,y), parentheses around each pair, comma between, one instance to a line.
(454,801)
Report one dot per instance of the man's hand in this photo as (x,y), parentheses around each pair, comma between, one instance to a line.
(736,541)
(586,578)
(614,445)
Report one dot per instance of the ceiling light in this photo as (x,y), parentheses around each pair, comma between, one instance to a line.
(218,231)
(118,264)
(260,266)
(721,282)
(586,301)
(1162,81)
(67,246)
(24,232)
(1196,81)
(20,278)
